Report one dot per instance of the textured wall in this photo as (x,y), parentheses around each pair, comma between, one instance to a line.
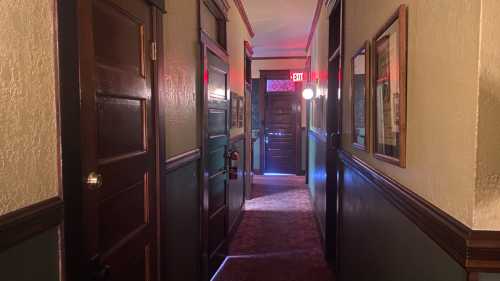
(28,123)
(276,64)
(182,68)
(487,210)
(442,96)
(237,34)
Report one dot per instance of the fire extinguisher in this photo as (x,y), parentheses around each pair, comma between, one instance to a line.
(233,157)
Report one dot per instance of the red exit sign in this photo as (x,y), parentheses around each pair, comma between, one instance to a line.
(297,76)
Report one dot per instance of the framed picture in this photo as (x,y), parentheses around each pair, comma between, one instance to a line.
(389,89)
(241,111)
(360,89)
(234,110)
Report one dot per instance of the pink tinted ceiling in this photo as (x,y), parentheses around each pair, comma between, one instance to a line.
(281,26)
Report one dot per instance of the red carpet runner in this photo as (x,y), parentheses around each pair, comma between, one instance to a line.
(278,238)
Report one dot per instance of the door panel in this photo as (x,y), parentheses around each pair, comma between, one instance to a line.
(281,133)
(117,117)
(217,139)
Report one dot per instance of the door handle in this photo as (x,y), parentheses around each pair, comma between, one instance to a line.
(94,181)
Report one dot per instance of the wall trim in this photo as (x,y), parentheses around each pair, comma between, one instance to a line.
(27,222)
(182,160)
(476,251)
(280,58)
(314,24)
(244,16)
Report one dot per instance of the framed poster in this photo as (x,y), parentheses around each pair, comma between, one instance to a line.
(389,89)
(241,111)
(234,110)
(360,82)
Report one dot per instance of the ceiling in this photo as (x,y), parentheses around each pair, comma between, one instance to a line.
(281,26)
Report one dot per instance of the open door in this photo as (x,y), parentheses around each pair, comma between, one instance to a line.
(215,143)
(334,130)
(118,140)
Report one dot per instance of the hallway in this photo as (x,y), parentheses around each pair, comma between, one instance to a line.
(278,238)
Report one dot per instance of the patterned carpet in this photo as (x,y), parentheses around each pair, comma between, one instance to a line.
(278,238)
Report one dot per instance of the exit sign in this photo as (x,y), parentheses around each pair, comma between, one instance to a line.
(297,76)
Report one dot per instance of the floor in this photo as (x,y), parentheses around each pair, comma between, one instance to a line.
(278,238)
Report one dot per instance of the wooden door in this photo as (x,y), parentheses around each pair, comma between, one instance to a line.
(281,133)
(118,140)
(217,142)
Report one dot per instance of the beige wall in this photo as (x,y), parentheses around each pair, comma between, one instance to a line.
(28,122)
(237,34)
(181,72)
(441,96)
(276,64)
(487,210)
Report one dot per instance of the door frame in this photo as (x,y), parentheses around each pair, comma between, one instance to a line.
(207,44)
(278,75)
(334,132)
(69,64)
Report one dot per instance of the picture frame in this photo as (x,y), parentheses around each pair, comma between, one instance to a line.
(389,70)
(234,110)
(360,97)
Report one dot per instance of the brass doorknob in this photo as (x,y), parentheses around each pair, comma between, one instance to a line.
(94,180)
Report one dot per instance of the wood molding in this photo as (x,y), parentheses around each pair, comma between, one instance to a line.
(280,58)
(160,4)
(27,222)
(248,49)
(476,251)
(244,17)
(182,160)
(214,46)
(314,24)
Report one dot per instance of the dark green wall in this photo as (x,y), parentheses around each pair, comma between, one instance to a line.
(36,259)
(317,177)
(236,187)
(181,224)
(378,242)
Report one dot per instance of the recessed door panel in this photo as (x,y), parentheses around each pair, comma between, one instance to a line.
(121,128)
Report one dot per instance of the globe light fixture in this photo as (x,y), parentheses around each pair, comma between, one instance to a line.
(308,93)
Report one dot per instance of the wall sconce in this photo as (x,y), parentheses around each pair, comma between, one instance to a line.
(307,93)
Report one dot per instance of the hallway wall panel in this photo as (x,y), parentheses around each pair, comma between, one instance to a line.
(317,178)
(442,96)
(182,63)
(236,187)
(34,259)
(181,224)
(379,242)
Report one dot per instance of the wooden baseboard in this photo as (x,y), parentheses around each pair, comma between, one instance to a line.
(476,251)
(27,222)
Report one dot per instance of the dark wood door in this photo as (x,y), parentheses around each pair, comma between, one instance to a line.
(118,140)
(217,142)
(281,133)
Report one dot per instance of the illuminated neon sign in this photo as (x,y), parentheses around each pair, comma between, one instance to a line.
(297,76)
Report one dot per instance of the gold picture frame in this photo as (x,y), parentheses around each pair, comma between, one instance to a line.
(389,68)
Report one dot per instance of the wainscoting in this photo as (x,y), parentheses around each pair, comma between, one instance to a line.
(236,188)
(29,242)
(389,233)
(317,178)
(180,227)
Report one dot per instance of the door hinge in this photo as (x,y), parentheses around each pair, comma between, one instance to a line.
(153,51)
